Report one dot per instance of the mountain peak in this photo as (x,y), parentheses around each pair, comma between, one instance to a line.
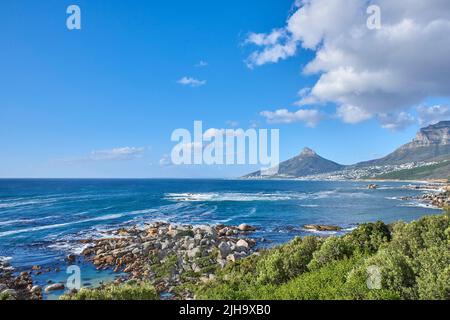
(432,143)
(439,125)
(307,152)
(435,134)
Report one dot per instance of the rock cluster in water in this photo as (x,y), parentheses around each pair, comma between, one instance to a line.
(440,197)
(321,227)
(17,287)
(167,254)
(440,200)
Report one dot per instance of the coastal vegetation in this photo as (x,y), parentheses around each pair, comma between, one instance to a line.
(127,291)
(424,172)
(374,261)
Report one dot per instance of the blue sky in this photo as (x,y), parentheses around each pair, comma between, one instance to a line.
(67,96)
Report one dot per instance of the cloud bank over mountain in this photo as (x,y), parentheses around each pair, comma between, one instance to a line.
(367,73)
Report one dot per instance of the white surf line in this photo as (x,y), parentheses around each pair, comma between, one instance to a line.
(60,225)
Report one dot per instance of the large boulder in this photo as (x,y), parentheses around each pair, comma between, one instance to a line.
(55,287)
(224,249)
(242,244)
(321,227)
(245,227)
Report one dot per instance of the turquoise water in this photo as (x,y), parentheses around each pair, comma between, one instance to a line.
(41,221)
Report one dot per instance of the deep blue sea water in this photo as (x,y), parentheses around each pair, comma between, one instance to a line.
(41,221)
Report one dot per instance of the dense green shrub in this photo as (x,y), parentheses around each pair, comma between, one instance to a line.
(369,237)
(414,265)
(286,262)
(433,279)
(412,261)
(333,249)
(410,238)
(396,273)
(4,296)
(128,291)
(253,277)
(235,282)
(323,284)
(366,239)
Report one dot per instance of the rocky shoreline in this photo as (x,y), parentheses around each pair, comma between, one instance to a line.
(168,255)
(17,288)
(440,198)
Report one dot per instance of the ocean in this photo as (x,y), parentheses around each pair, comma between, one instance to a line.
(41,221)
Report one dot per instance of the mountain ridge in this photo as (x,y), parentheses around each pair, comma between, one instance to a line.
(308,162)
(431,145)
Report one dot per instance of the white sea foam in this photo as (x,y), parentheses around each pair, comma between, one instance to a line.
(392,198)
(259,196)
(49,199)
(70,246)
(229,196)
(23,221)
(418,204)
(7,205)
(320,232)
(5,259)
(60,225)
(10,222)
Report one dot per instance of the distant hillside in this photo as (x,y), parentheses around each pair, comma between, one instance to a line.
(431,143)
(427,156)
(306,163)
(435,171)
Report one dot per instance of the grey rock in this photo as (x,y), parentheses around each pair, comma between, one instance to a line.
(55,287)
(246,227)
(242,244)
(10,292)
(224,249)
(36,289)
(193,252)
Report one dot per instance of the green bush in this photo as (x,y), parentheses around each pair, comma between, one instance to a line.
(326,283)
(127,291)
(414,265)
(396,274)
(433,278)
(413,261)
(369,237)
(410,238)
(333,249)
(286,262)
(4,296)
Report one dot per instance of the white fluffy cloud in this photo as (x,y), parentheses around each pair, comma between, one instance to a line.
(192,82)
(396,122)
(232,123)
(433,114)
(201,64)
(124,153)
(352,114)
(116,154)
(165,160)
(309,116)
(366,73)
